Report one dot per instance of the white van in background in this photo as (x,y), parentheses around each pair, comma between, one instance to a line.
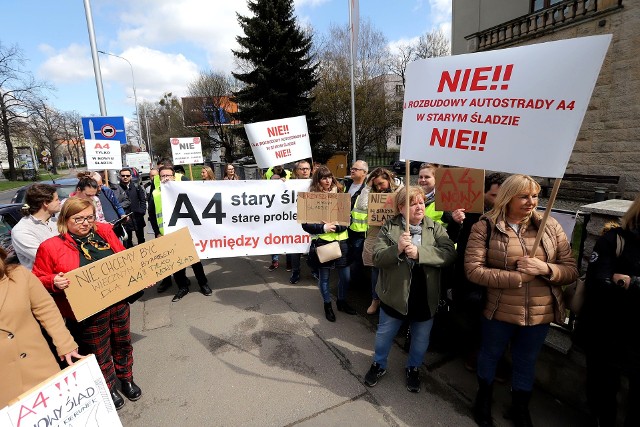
(140,161)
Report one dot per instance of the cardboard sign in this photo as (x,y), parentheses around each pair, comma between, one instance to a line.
(103,154)
(105,282)
(76,396)
(382,206)
(186,151)
(506,110)
(460,188)
(277,142)
(319,208)
(237,218)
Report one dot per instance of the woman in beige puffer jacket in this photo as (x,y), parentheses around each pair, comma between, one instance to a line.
(524,294)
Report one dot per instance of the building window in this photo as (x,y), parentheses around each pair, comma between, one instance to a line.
(537,5)
(398,138)
(399,90)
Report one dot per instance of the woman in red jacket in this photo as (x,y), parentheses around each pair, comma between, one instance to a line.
(106,334)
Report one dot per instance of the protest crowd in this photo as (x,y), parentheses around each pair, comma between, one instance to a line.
(414,263)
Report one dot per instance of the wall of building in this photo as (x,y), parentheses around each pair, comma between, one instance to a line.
(608,142)
(471,16)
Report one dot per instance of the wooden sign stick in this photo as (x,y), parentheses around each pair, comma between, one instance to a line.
(545,216)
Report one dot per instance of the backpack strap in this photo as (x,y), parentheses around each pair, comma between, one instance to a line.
(619,245)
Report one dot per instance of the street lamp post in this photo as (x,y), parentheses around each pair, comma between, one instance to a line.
(135,96)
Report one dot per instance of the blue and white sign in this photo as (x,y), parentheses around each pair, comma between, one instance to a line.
(106,128)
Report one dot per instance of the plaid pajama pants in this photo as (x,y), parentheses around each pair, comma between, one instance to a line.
(106,334)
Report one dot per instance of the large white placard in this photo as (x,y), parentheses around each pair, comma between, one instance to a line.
(277,142)
(237,218)
(515,110)
(186,151)
(76,396)
(103,154)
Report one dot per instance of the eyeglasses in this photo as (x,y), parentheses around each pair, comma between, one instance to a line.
(82,219)
(166,176)
(304,169)
(125,176)
(357,169)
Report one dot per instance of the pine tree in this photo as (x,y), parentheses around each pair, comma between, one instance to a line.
(279,71)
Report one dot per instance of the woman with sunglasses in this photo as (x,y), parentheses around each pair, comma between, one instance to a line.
(83,240)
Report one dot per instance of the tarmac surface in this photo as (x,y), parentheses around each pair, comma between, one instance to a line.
(259,352)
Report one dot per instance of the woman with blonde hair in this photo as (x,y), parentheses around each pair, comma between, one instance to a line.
(207,174)
(106,334)
(323,181)
(524,293)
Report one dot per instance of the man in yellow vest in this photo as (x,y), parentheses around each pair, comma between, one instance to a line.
(167,174)
(358,228)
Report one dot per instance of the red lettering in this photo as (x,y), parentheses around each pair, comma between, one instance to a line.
(480,75)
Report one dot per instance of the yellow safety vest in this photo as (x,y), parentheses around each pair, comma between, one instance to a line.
(432,213)
(359,219)
(269,173)
(330,237)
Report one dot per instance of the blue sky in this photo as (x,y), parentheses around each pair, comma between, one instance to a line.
(167,41)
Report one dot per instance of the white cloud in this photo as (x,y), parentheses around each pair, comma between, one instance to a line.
(309,3)
(393,46)
(70,64)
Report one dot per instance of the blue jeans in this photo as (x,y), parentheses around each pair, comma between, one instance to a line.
(375,272)
(275,258)
(526,342)
(343,283)
(388,328)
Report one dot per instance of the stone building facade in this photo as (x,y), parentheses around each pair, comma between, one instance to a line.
(609,140)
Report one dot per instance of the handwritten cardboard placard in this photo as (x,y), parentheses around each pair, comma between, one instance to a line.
(382,206)
(318,208)
(100,284)
(76,396)
(460,188)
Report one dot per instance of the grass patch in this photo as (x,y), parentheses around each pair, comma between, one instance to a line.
(44,176)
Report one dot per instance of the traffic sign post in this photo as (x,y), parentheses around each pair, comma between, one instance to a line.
(105,128)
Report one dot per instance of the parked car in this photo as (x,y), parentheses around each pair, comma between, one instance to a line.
(65,187)
(9,216)
(246,160)
(414,167)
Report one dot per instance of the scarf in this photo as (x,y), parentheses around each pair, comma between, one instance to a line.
(416,236)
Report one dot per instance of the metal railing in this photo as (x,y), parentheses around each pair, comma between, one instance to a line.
(536,23)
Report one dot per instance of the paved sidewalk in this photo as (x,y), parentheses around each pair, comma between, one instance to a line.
(259,352)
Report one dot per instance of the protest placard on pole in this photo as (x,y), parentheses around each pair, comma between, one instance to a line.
(76,396)
(460,188)
(103,154)
(116,277)
(381,207)
(514,110)
(186,151)
(276,142)
(320,208)
(237,218)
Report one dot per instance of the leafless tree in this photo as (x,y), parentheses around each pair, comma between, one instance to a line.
(430,45)
(46,125)
(18,90)
(208,110)
(73,137)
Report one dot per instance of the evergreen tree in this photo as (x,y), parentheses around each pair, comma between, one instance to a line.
(279,72)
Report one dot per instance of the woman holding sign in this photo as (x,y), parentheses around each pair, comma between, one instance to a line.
(380,180)
(106,334)
(323,181)
(524,293)
(410,264)
(25,357)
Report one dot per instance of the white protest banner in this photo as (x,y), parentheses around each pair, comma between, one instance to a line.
(237,218)
(76,396)
(103,154)
(186,151)
(277,142)
(515,110)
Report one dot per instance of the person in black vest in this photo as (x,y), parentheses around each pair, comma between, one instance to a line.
(137,207)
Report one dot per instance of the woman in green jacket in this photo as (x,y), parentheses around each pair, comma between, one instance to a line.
(409,283)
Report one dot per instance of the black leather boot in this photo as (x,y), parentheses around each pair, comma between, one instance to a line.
(131,390)
(482,405)
(118,401)
(345,307)
(328,312)
(519,412)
